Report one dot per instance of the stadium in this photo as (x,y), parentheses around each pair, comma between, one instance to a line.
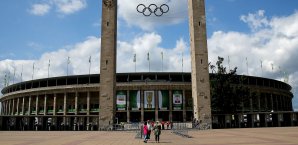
(72,102)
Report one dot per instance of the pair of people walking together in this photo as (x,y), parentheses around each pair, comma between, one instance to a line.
(148,128)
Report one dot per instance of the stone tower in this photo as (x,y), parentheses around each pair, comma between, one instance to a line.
(199,61)
(108,63)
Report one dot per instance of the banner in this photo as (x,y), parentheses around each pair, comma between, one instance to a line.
(149,100)
(121,100)
(177,100)
(163,99)
(188,100)
(135,100)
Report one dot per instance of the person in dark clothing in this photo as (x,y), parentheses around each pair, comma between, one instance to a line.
(157,131)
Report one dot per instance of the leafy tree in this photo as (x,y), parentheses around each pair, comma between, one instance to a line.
(222,91)
(229,95)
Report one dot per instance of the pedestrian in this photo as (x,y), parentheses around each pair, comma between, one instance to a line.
(163,125)
(149,129)
(145,131)
(168,124)
(157,131)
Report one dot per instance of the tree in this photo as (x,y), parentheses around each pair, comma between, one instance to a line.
(222,91)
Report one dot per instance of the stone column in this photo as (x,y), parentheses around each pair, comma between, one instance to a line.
(128,106)
(76,103)
(142,105)
(55,104)
(156,104)
(183,106)
(171,105)
(4,111)
(88,104)
(77,121)
(11,110)
(64,105)
(23,106)
(6,108)
(18,104)
(36,105)
(88,110)
(199,61)
(29,105)
(45,110)
(2,107)
(108,64)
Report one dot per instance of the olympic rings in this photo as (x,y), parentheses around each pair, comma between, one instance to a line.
(153,8)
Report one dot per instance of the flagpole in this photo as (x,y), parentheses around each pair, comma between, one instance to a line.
(89,64)
(14,74)
(8,79)
(68,61)
(5,79)
(22,74)
(148,58)
(182,61)
(246,66)
(33,71)
(261,68)
(229,63)
(49,69)
(89,67)
(135,61)
(162,61)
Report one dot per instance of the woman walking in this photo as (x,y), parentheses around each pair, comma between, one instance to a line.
(157,131)
(145,131)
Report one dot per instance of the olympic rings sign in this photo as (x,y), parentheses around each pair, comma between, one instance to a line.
(153,8)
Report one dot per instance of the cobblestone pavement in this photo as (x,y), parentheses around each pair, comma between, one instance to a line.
(248,136)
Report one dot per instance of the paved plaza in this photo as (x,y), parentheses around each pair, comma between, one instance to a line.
(249,136)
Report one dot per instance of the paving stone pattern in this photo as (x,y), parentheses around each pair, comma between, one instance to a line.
(250,136)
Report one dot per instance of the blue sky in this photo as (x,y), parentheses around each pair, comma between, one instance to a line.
(36,31)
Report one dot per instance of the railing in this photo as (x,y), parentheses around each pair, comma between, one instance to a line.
(181,129)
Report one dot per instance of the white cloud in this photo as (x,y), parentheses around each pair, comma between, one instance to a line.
(69,6)
(79,54)
(149,42)
(63,7)
(274,41)
(128,12)
(255,21)
(79,59)
(40,9)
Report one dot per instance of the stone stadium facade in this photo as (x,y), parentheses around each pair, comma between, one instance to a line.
(72,102)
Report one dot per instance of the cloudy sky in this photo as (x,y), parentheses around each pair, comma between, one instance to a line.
(260,33)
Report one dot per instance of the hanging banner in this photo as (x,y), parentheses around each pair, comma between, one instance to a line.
(188,100)
(121,100)
(163,99)
(135,100)
(177,100)
(149,100)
